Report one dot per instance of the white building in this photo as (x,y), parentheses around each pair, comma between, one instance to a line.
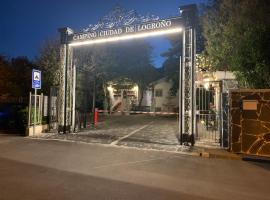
(159,98)
(122,98)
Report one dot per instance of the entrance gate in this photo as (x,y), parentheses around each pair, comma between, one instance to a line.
(212,112)
(208,113)
(131,29)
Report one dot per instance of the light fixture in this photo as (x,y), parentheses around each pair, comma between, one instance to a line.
(135,88)
(206,83)
(110,88)
(127,37)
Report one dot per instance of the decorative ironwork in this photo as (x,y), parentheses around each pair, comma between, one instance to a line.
(187,80)
(120,17)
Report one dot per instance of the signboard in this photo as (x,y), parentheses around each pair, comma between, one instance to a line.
(250,104)
(157,25)
(36,79)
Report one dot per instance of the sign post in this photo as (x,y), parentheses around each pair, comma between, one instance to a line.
(36,84)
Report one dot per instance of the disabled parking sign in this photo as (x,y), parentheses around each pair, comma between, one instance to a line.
(36,79)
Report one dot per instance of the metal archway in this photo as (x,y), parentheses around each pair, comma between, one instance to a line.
(132,29)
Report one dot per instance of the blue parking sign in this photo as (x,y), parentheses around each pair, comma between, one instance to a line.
(36,79)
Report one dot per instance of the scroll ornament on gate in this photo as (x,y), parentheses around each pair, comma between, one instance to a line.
(119,17)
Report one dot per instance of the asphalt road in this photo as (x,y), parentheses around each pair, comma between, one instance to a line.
(39,169)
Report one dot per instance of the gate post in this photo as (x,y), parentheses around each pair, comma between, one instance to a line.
(64,101)
(73,96)
(187,78)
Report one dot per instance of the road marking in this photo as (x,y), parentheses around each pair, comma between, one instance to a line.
(130,134)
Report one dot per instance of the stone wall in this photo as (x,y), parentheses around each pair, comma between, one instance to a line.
(250,121)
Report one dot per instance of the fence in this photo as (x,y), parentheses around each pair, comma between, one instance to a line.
(39,109)
(46,112)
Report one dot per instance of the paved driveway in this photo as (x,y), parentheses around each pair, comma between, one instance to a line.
(158,132)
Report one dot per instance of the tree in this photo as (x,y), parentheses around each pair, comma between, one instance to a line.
(203,62)
(170,67)
(237,39)
(96,65)
(15,76)
(48,62)
(117,61)
(138,65)
(5,76)
(100,63)
(22,68)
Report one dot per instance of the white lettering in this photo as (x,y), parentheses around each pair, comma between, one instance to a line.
(128,29)
(155,25)
(110,32)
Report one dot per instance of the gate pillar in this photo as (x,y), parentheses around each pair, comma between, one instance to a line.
(187,76)
(65,88)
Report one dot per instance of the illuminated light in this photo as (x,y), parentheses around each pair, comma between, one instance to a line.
(207,86)
(127,37)
(110,88)
(136,88)
(206,83)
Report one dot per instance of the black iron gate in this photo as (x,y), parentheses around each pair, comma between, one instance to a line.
(208,113)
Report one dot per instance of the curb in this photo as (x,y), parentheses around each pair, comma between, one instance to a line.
(227,157)
(254,158)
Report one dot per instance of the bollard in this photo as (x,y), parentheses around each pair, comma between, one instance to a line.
(96,116)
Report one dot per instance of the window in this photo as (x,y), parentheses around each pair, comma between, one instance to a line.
(158,93)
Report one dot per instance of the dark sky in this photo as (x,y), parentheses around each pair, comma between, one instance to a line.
(26,24)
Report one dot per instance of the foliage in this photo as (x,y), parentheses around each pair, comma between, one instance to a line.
(131,60)
(22,75)
(15,76)
(22,119)
(237,39)
(5,76)
(170,67)
(203,62)
(49,63)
